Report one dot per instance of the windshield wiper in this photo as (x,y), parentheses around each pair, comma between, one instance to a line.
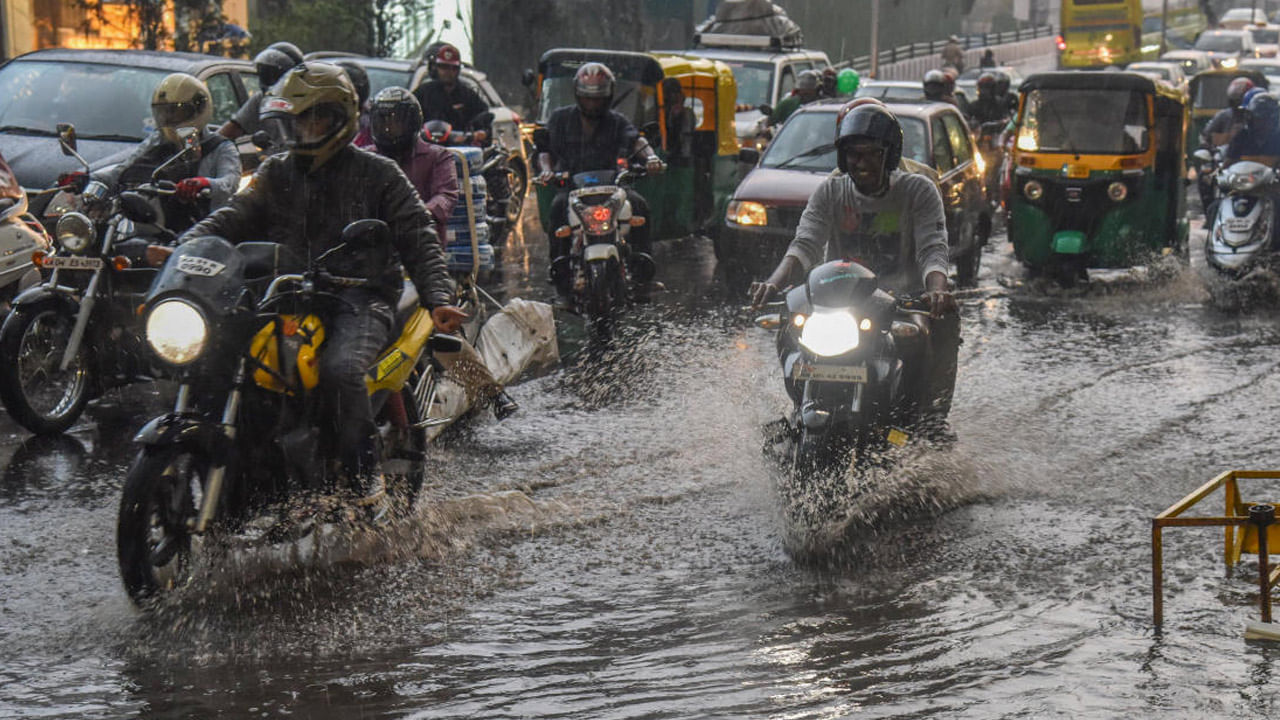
(108,136)
(23,130)
(811,152)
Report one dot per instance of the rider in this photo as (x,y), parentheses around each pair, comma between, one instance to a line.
(806,91)
(589,136)
(303,199)
(1003,82)
(360,81)
(395,122)
(935,87)
(181,100)
(893,222)
(1261,135)
(272,63)
(988,107)
(442,97)
(1229,120)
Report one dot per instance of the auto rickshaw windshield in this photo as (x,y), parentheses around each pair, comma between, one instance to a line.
(1084,122)
(632,99)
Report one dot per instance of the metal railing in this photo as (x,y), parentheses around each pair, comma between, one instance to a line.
(973,46)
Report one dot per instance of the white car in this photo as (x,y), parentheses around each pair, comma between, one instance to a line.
(1240,17)
(1170,72)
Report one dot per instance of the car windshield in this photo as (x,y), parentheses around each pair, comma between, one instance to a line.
(1105,122)
(1269,36)
(1211,90)
(105,101)
(755,81)
(382,78)
(806,142)
(1219,43)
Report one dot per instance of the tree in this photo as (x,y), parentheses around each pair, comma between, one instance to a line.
(148,16)
(366,27)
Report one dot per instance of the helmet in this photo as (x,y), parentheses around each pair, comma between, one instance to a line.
(1264,109)
(395,119)
(442,55)
(935,84)
(1236,91)
(288,48)
(593,80)
(849,106)
(847,82)
(315,107)
(358,77)
(180,100)
(437,131)
(1002,81)
(987,83)
(808,80)
(870,121)
(949,74)
(274,61)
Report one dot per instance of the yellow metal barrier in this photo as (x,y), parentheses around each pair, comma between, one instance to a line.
(1242,533)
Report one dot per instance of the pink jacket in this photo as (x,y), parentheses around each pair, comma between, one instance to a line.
(431,172)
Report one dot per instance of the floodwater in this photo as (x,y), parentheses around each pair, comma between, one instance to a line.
(615,550)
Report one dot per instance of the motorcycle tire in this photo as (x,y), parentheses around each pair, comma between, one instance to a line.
(969,261)
(154,545)
(517,178)
(405,454)
(37,395)
(600,290)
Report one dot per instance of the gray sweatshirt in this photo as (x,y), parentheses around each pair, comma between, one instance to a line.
(901,236)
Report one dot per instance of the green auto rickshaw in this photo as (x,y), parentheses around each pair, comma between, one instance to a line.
(1097,172)
(691,196)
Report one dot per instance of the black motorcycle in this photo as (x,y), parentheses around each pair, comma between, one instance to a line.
(76,334)
(845,346)
(237,327)
(502,208)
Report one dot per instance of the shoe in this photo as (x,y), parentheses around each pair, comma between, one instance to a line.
(373,498)
(503,406)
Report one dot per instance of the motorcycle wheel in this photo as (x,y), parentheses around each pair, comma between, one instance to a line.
(39,396)
(600,291)
(812,496)
(970,260)
(516,177)
(405,454)
(154,544)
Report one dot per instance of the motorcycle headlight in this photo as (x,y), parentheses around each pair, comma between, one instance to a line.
(830,333)
(177,331)
(74,232)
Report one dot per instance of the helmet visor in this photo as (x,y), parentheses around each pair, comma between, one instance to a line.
(308,129)
(393,127)
(174,114)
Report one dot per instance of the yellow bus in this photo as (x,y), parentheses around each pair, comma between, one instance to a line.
(1097,33)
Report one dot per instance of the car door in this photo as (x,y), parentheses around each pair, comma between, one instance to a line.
(950,181)
(228,89)
(967,179)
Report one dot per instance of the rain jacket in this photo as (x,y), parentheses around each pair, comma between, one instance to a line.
(307,212)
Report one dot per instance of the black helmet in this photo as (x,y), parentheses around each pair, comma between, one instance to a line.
(273,62)
(288,48)
(935,84)
(1002,81)
(874,123)
(395,119)
(359,78)
(1264,110)
(987,83)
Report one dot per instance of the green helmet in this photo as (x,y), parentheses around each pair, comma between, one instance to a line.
(315,106)
(847,82)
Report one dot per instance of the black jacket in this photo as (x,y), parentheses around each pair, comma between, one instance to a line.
(458,108)
(307,212)
(573,150)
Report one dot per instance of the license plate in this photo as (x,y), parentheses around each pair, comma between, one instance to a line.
(73,262)
(830,373)
(1239,224)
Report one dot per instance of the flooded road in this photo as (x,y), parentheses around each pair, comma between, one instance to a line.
(615,549)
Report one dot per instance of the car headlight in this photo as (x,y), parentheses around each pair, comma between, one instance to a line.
(177,331)
(1230,62)
(830,333)
(747,212)
(74,232)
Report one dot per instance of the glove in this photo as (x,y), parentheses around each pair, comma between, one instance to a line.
(654,166)
(73,182)
(479,137)
(545,177)
(191,188)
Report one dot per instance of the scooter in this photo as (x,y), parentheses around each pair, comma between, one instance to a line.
(1240,246)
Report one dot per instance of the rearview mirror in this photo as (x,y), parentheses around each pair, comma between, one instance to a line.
(1202,155)
(542,139)
(528,77)
(366,233)
(67,138)
(749,155)
(765,108)
(189,140)
(651,130)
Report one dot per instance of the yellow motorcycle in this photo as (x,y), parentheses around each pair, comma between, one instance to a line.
(236,326)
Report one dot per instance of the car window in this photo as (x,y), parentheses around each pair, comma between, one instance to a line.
(958,135)
(786,83)
(913,140)
(942,160)
(100,100)
(383,78)
(250,81)
(223,93)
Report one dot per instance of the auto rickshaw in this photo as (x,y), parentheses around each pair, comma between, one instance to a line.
(1208,91)
(692,194)
(1098,171)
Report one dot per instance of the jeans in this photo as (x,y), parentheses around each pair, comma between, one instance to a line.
(355,332)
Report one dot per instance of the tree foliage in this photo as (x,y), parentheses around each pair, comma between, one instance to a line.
(192,17)
(366,27)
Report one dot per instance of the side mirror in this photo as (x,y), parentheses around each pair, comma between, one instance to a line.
(366,233)
(262,139)
(1203,155)
(541,139)
(651,130)
(772,321)
(189,140)
(749,155)
(483,120)
(765,108)
(67,138)
(528,77)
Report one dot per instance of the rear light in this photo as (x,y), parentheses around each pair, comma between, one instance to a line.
(1062,44)
(598,220)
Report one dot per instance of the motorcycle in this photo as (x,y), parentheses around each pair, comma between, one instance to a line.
(992,152)
(235,326)
(494,168)
(1240,246)
(76,334)
(844,346)
(599,264)
(21,235)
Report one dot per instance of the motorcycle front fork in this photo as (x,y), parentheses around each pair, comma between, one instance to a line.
(217,473)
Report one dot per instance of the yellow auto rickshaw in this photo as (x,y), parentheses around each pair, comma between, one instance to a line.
(692,195)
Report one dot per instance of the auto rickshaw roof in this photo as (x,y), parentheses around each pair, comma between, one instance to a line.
(642,67)
(1256,76)
(1089,80)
